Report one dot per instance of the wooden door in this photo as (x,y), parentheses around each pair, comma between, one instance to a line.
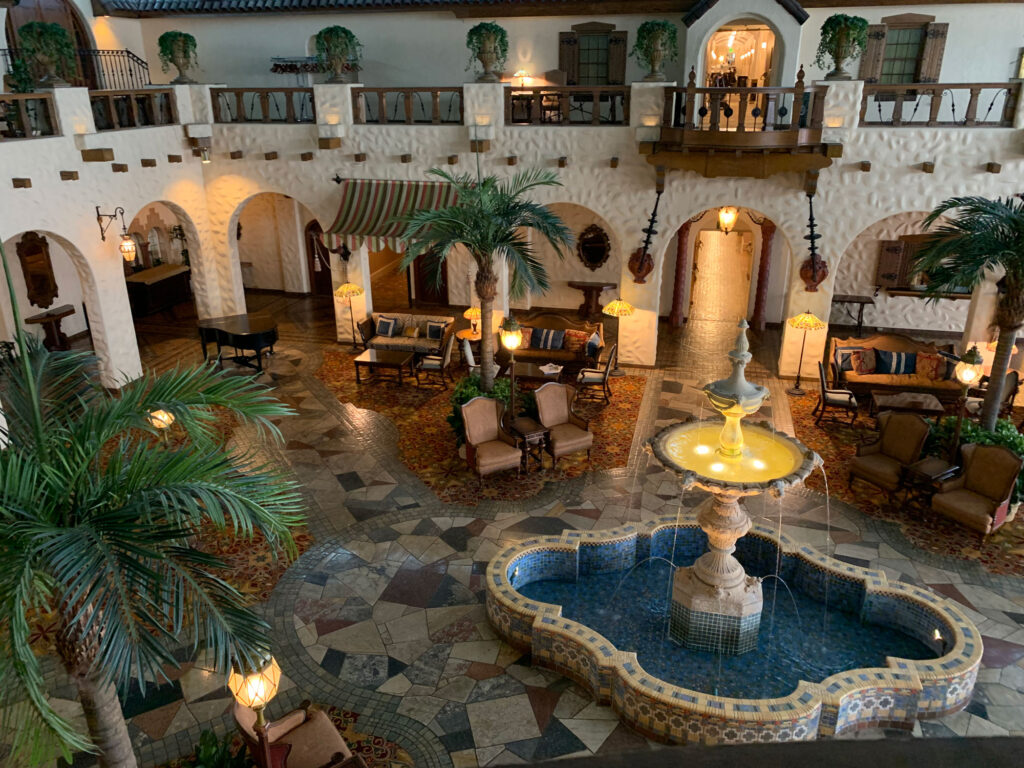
(424,276)
(318,261)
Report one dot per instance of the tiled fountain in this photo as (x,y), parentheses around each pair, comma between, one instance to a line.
(662,620)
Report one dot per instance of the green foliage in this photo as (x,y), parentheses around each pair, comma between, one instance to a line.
(468,388)
(21,77)
(42,38)
(100,521)
(842,38)
(169,42)
(1005,434)
(651,35)
(213,752)
(337,43)
(476,37)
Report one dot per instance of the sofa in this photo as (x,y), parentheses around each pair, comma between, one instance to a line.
(419,344)
(528,351)
(930,372)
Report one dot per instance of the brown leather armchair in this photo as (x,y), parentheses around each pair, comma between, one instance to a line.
(980,496)
(304,738)
(899,443)
(568,433)
(489,448)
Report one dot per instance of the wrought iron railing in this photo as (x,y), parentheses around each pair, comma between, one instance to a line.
(408,106)
(567,105)
(990,105)
(97,69)
(27,116)
(263,105)
(114,110)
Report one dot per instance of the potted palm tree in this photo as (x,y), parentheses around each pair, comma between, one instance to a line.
(487,219)
(49,47)
(178,48)
(99,521)
(842,38)
(984,235)
(655,43)
(488,44)
(337,48)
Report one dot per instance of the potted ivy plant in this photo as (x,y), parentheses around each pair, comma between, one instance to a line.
(49,47)
(337,48)
(488,44)
(842,38)
(655,43)
(178,48)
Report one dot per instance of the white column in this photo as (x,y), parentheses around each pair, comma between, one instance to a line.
(110,316)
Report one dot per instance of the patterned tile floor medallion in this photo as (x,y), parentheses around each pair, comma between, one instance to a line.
(382,618)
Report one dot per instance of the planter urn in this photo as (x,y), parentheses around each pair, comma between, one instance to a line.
(338,64)
(657,74)
(47,65)
(181,62)
(839,55)
(488,57)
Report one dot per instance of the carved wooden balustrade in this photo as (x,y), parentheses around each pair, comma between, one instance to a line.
(263,105)
(114,110)
(27,116)
(407,106)
(960,105)
(567,105)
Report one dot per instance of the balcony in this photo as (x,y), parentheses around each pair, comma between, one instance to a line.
(27,116)
(943,105)
(96,68)
(568,105)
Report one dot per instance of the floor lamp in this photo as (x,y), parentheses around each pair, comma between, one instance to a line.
(618,308)
(511,334)
(347,291)
(805,322)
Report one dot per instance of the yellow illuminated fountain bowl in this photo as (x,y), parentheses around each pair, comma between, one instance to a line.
(766,456)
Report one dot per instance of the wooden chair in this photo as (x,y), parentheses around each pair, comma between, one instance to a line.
(489,448)
(438,367)
(1011,384)
(568,433)
(838,399)
(591,381)
(468,359)
(980,496)
(899,443)
(304,738)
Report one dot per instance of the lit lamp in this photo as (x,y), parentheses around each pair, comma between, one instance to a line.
(524,77)
(511,334)
(805,322)
(473,315)
(968,372)
(347,291)
(127,246)
(254,690)
(727,216)
(618,308)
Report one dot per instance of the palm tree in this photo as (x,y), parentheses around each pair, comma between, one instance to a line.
(100,518)
(984,235)
(489,218)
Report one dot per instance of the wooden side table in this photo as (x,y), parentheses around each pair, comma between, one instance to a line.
(531,437)
(55,338)
(922,479)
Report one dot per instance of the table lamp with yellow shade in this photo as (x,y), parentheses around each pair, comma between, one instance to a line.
(618,308)
(473,315)
(805,322)
(347,291)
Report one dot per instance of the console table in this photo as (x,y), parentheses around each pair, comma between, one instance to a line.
(590,309)
(858,301)
(55,338)
(159,288)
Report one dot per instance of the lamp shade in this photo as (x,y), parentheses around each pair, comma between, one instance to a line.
(805,321)
(991,347)
(473,313)
(127,247)
(968,371)
(727,217)
(511,333)
(618,308)
(255,689)
(160,419)
(348,290)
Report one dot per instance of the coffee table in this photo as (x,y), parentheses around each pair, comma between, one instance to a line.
(906,402)
(532,372)
(532,438)
(377,360)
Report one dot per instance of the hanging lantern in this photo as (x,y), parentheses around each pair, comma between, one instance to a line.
(727,217)
(127,247)
(511,333)
(254,689)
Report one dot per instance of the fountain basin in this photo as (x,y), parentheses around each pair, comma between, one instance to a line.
(893,695)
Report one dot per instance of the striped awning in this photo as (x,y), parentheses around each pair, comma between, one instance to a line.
(372,209)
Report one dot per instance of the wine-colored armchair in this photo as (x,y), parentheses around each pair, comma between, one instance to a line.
(899,443)
(568,432)
(304,738)
(980,496)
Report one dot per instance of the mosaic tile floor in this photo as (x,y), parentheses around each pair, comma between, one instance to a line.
(383,614)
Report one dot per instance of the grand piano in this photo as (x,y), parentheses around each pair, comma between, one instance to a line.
(244,333)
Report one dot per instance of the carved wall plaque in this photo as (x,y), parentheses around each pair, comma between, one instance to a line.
(34,254)
(593,247)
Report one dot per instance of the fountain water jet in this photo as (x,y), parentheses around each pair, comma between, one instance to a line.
(715,605)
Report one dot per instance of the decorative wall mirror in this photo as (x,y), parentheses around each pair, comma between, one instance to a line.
(593,247)
(34,254)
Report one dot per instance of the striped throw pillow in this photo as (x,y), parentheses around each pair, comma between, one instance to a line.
(387,326)
(897,363)
(546,338)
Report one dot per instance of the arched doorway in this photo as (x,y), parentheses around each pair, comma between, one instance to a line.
(741,54)
(60,12)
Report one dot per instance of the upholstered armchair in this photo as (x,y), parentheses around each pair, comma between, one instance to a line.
(980,496)
(438,366)
(568,433)
(489,448)
(595,380)
(304,738)
(899,443)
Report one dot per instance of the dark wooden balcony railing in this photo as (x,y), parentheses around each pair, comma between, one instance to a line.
(743,117)
(27,116)
(961,105)
(96,68)
(568,105)
(115,110)
(408,106)
(263,105)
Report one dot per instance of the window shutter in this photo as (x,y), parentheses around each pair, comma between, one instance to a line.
(874,53)
(931,55)
(617,58)
(569,57)
(892,264)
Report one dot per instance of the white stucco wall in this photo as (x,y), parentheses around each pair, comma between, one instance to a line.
(273,243)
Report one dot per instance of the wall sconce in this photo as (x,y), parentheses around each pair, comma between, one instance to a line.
(649,121)
(127,246)
(834,121)
(481,119)
(204,156)
(727,216)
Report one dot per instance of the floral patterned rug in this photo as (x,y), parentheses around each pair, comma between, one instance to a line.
(836,442)
(427,444)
